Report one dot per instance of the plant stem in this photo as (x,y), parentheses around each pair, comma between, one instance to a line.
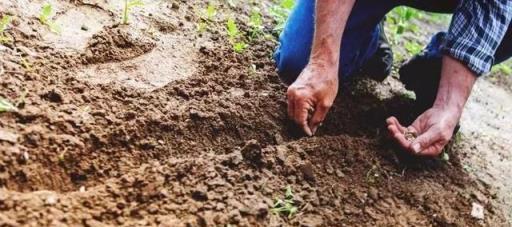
(125,13)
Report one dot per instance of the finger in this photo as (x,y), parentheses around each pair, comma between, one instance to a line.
(301,115)
(319,116)
(399,136)
(394,121)
(434,150)
(426,140)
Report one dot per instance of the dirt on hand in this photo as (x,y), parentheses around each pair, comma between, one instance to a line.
(212,148)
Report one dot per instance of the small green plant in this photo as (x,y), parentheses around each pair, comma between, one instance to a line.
(502,69)
(280,12)
(45,18)
(6,106)
(211,12)
(4,22)
(207,17)
(128,5)
(234,36)
(399,20)
(285,206)
(413,47)
(256,23)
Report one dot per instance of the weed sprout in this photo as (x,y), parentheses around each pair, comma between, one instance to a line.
(207,17)
(256,22)
(45,18)
(4,22)
(6,106)
(234,36)
(128,5)
(280,13)
(285,206)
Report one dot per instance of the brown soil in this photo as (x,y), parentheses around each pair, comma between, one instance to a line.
(213,149)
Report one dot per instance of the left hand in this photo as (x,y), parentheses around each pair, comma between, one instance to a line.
(433,129)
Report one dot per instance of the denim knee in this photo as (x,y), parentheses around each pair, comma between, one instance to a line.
(289,65)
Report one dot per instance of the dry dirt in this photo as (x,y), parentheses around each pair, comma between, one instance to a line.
(154,123)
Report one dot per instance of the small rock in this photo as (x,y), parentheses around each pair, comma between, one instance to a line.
(82,189)
(252,152)
(307,171)
(25,156)
(311,220)
(51,200)
(477,211)
(339,173)
(54,95)
(199,195)
(329,169)
(278,138)
(8,136)
(373,193)
(261,210)
(281,153)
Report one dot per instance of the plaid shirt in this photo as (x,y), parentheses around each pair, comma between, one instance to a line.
(476,31)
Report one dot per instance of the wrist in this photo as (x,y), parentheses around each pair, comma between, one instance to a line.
(325,68)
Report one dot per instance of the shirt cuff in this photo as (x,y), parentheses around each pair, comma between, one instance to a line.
(478,61)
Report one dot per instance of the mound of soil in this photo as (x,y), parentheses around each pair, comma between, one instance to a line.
(117,44)
(210,150)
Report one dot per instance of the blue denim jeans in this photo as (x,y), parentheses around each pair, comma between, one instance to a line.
(360,39)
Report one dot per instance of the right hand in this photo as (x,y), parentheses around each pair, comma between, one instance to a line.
(312,93)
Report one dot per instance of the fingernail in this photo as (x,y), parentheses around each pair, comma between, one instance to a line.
(416,148)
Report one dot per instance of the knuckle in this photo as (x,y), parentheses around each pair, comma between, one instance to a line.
(446,136)
(326,105)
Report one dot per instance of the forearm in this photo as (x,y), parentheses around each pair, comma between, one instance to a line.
(331,18)
(456,83)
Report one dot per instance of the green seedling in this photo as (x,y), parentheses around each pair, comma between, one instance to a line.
(285,206)
(280,12)
(503,69)
(211,12)
(128,5)
(239,47)
(256,22)
(234,36)
(207,17)
(45,18)
(6,106)
(232,29)
(4,22)
(413,47)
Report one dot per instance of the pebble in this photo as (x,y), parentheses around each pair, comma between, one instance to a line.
(477,211)
(307,171)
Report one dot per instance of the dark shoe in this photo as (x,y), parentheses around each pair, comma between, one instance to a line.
(379,66)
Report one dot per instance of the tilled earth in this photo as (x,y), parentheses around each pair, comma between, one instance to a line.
(154,123)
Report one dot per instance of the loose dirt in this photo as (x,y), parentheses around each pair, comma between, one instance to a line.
(154,123)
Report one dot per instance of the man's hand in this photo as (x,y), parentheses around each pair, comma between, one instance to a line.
(312,93)
(316,87)
(434,129)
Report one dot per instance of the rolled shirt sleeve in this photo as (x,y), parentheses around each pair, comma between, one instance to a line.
(476,31)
